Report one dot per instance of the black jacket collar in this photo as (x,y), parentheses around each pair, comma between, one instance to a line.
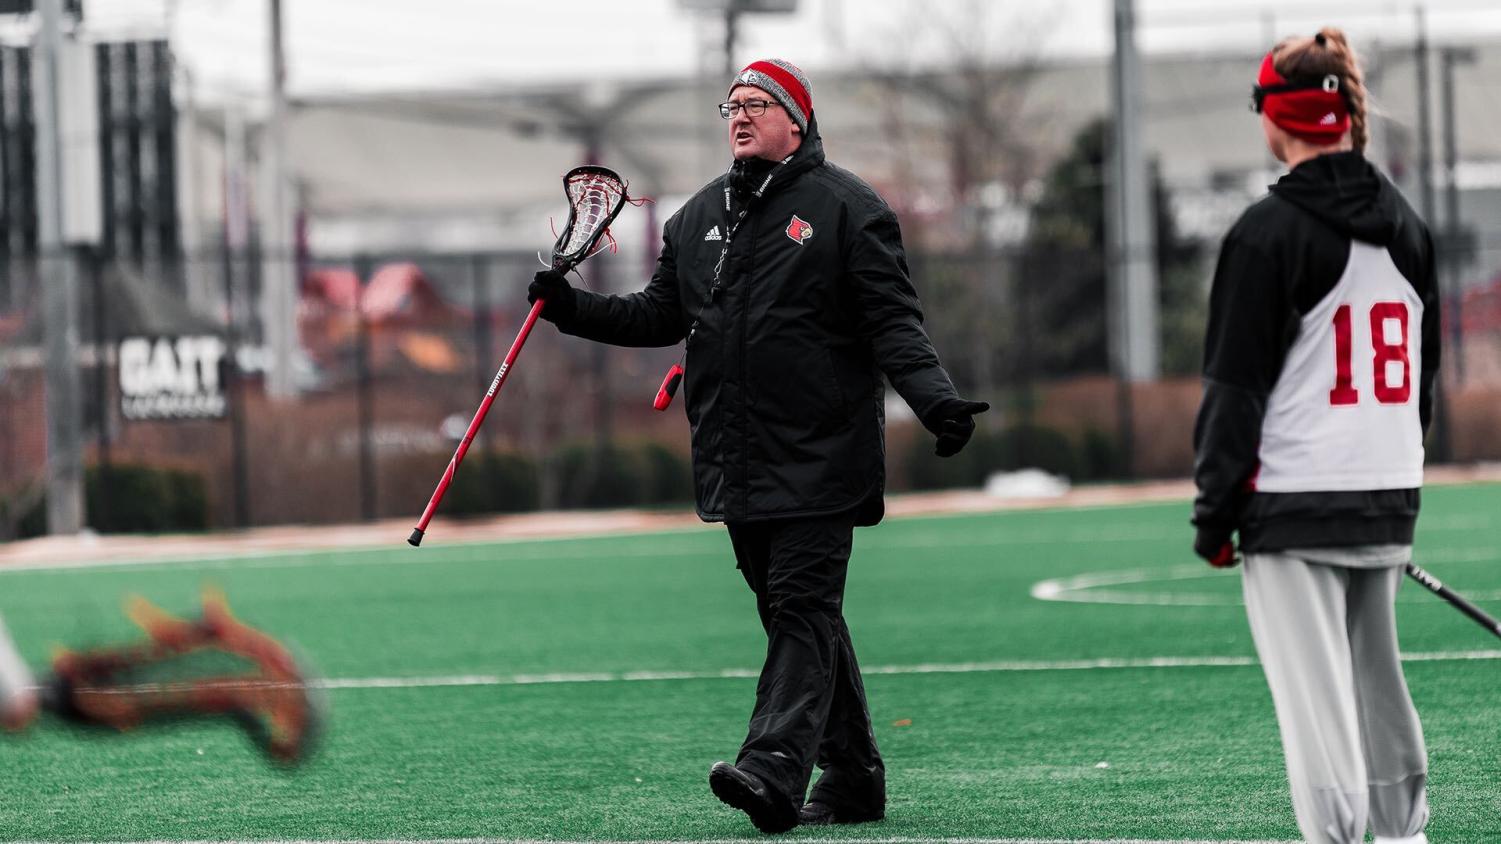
(746,176)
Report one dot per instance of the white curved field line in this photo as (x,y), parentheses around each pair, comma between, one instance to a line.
(1091,588)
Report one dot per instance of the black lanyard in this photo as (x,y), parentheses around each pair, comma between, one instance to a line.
(731,227)
(732,223)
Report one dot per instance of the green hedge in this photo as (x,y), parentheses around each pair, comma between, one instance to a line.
(622,475)
(671,475)
(493,482)
(1093,456)
(133,498)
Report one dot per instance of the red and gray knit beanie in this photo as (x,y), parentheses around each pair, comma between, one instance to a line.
(783,81)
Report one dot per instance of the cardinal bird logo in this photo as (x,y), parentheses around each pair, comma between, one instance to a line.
(799,229)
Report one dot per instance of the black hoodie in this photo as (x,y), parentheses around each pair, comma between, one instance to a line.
(1280,260)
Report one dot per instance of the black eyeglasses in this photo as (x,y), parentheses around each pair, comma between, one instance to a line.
(1328,82)
(754,108)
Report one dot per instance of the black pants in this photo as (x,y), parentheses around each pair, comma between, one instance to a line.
(810,703)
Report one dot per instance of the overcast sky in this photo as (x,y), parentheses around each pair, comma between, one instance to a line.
(372,45)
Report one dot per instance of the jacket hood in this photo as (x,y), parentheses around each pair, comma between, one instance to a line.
(1347,192)
(812,146)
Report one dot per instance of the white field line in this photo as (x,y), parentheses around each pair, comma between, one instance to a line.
(799,839)
(995,667)
(549,549)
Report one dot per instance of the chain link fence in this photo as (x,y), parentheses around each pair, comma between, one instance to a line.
(395,351)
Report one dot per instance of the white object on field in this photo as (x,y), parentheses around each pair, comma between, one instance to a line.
(1026,483)
(454,426)
(17,689)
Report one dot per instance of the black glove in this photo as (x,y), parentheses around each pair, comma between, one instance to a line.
(953,422)
(1215,546)
(554,287)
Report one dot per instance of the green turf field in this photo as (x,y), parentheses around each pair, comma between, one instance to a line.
(580,689)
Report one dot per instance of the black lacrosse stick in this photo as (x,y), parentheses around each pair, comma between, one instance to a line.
(1437,587)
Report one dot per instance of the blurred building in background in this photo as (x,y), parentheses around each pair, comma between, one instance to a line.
(419,221)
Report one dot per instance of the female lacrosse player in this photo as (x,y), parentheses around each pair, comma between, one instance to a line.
(1319,365)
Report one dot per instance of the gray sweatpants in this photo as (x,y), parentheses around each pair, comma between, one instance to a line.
(1327,638)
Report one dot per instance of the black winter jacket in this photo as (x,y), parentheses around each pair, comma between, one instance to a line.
(783,388)
(1278,262)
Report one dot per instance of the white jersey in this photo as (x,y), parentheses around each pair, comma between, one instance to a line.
(1343,415)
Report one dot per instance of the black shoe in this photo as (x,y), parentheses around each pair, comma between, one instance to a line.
(738,789)
(815,813)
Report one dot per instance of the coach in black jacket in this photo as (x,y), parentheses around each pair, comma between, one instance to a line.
(788,279)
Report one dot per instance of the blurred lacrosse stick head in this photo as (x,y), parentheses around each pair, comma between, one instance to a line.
(211,665)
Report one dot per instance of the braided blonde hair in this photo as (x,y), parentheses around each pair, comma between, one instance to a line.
(1325,53)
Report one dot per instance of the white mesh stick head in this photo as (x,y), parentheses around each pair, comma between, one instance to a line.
(595,196)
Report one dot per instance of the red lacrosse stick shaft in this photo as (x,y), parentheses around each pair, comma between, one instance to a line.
(478,420)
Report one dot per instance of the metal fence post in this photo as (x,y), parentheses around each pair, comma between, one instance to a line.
(365,400)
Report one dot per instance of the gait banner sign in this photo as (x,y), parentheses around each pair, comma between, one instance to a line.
(172,377)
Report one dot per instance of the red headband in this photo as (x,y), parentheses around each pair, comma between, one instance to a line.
(1314,111)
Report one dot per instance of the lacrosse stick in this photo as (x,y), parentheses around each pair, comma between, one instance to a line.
(1437,587)
(595,197)
(211,665)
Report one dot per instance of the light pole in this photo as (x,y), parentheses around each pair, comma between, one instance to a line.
(1454,235)
(1131,251)
(279,296)
(59,280)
